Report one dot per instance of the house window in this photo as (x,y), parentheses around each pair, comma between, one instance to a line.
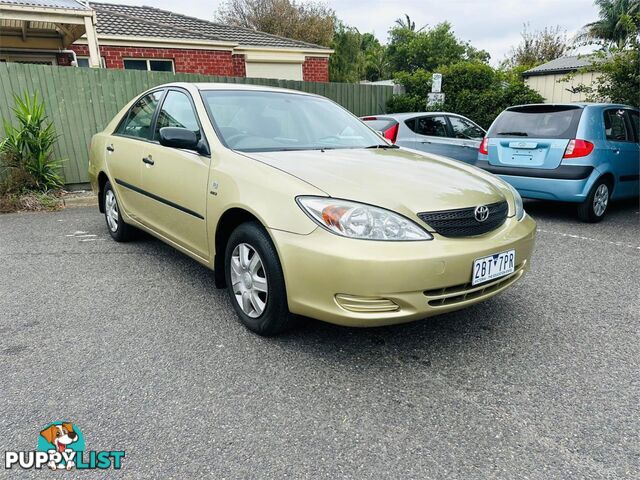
(29,59)
(84,62)
(150,65)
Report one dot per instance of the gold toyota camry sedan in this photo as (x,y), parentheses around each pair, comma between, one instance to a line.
(301,209)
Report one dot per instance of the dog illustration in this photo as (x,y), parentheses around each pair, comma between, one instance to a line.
(60,436)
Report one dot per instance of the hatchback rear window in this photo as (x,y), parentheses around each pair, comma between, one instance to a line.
(379,124)
(538,121)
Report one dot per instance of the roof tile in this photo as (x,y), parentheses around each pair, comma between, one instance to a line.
(562,64)
(143,21)
(68,4)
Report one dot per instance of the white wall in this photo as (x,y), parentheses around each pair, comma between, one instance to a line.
(555,91)
(282,71)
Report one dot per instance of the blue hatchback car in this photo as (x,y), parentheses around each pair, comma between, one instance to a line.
(583,153)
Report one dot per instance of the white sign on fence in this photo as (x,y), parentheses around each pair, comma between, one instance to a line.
(436,83)
(435,99)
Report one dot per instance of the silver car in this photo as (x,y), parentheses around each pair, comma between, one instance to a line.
(441,133)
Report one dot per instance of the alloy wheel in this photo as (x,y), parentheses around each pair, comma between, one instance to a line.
(249,280)
(111,210)
(600,200)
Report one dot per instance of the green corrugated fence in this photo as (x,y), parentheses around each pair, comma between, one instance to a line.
(81,101)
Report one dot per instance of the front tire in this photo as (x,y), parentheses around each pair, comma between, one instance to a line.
(593,209)
(120,231)
(255,281)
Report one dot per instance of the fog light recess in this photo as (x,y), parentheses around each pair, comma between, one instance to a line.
(357,304)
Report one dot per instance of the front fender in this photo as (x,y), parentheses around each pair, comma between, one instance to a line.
(267,193)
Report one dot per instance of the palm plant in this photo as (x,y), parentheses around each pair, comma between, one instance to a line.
(407,23)
(618,23)
(29,146)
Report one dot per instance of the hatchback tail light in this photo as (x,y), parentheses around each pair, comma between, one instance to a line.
(484,148)
(391,133)
(578,148)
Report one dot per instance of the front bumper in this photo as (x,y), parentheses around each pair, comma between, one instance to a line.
(358,282)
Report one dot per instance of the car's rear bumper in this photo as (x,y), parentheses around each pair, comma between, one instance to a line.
(567,183)
(563,172)
(370,283)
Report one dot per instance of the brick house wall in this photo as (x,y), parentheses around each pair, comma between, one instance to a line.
(239,66)
(315,69)
(206,62)
(63,60)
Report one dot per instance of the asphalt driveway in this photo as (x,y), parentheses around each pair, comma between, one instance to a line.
(132,343)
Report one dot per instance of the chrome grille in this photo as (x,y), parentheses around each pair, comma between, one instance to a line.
(462,222)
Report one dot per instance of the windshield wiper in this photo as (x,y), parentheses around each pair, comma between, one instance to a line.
(515,134)
(383,146)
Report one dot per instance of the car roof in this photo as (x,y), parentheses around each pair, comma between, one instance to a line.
(234,86)
(574,104)
(405,115)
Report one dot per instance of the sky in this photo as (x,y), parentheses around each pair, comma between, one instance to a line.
(491,25)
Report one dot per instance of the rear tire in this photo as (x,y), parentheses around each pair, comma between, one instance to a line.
(120,231)
(255,281)
(594,208)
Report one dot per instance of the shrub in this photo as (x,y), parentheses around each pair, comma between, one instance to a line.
(473,89)
(619,77)
(27,150)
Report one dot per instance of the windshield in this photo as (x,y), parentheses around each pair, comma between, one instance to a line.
(539,121)
(255,121)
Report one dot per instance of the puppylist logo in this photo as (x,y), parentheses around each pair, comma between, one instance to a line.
(61,447)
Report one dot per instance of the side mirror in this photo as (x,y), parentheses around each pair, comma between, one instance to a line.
(176,137)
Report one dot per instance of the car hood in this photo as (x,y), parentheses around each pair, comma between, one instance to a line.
(402,180)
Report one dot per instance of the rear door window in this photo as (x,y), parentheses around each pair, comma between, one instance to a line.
(634,119)
(140,117)
(432,126)
(465,129)
(615,126)
(538,121)
(379,124)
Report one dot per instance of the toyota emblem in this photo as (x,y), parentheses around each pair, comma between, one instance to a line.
(481,213)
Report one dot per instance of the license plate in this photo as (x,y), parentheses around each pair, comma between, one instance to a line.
(494,266)
(521,158)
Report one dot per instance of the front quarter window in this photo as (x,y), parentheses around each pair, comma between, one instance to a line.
(177,111)
(465,129)
(263,121)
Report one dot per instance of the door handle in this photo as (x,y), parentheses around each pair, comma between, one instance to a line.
(616,150)
(110,148)
(425,142)
(148,160)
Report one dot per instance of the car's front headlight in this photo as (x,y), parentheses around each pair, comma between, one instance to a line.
(517,200)
(358,220)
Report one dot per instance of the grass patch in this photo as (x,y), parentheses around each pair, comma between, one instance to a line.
(31,202)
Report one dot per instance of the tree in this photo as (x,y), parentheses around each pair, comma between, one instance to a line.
(429,48)
(376,65)
(618,77)
(618,24)
(538,47)
(346,64)
(311,22)
(407,23)
(617,63)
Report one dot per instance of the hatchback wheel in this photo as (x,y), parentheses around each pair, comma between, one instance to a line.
(592,210)
(255,281)
(120,231)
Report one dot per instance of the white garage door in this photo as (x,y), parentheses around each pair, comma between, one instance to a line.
(282,71)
